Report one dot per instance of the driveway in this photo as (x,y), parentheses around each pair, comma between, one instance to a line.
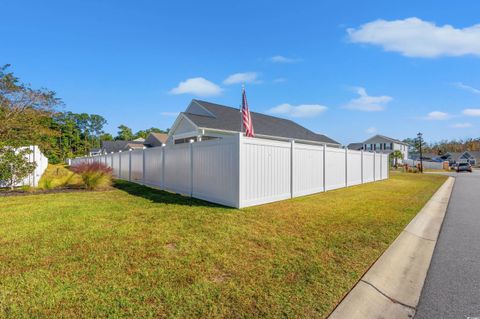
(452,286)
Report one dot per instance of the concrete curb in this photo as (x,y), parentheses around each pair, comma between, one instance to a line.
(391,288)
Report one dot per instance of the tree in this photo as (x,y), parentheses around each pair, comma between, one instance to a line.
(106,137)
(124,133)
(14,165)
(395,156)
(24,112)
(145,133)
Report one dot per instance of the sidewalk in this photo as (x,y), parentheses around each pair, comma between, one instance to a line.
(391,287)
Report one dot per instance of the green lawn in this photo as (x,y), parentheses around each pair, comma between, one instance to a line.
(137,252)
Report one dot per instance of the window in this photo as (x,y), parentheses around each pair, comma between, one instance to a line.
(185,140)
(388,146)
(378,146)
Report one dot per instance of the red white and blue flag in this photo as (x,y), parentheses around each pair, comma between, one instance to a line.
(246,117)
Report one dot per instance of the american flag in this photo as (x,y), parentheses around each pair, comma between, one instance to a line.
(246,117)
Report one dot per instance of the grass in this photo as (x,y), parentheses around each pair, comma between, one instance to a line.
(58,175)
(136,252)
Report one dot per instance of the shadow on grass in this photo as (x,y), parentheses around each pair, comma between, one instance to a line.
(159,196)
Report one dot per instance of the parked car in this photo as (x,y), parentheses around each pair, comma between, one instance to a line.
(463,167)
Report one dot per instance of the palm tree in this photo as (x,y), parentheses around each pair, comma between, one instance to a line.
(396,155)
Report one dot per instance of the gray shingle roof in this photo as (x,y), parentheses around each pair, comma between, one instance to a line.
(355,146)
(115,146)
(228,118)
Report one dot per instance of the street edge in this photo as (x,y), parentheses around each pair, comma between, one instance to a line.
(392,286)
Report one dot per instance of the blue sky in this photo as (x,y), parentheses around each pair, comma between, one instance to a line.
(347,69)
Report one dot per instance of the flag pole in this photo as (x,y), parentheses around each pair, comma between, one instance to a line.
(241,107)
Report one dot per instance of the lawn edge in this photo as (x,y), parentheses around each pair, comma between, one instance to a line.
(392,286)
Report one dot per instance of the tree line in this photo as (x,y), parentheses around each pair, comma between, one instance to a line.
(32,117)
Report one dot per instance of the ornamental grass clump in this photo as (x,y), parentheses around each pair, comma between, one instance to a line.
(95,176)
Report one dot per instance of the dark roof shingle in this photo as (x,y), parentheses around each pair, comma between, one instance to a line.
(229,119)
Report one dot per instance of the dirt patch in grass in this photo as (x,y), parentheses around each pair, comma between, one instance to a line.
(142,253)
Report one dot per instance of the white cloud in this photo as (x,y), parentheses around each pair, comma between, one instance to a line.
(414,37)
(471,112)
(169,113)
(368,103)
(461,125)
(303,110)
(279,80)
(197,86)
(437,116)
(465,87)
(371,130)
(246,77)
(282,59)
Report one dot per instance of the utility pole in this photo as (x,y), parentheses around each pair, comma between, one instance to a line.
(420,142)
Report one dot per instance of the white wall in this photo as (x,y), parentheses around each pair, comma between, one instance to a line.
(240,172)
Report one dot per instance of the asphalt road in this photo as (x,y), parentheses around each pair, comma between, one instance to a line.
(452,286)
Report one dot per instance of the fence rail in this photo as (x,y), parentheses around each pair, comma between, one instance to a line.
(241,172)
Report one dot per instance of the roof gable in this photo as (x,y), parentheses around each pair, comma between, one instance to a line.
(386,138)
(229,119)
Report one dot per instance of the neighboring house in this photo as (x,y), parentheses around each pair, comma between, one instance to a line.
(204,120)
(455,157)
(115,146)
(152,140)
(155,139)
(381,144)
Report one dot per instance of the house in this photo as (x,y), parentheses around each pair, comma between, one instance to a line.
(204,120)
(381,144)
(152,140)
(455,157)
(155,139)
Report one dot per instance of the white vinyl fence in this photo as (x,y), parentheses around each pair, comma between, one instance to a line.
(426,164)
(241,172)
(42,162)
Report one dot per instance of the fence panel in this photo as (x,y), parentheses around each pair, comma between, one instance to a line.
(385,166)
(116,164)
(354,167)
(378,166)
(307,169)
(177,171)
(153,166)
(241,172)
(124,165)
(136,174)
(108,160)
(368,163)
(334,168)
(215,171)
(264,171)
